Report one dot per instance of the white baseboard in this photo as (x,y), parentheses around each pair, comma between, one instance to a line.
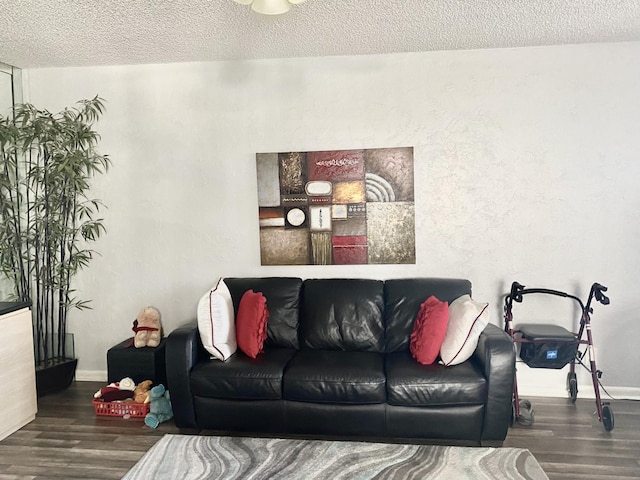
(626,393)
(91,376)
(585,390)
(542,382)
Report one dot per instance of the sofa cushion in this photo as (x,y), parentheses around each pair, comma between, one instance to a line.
(283,301)
(403,298)
(216,322)
(429,330)
(412,384)
(467,319)
(342,314)
(325,376)
(251,323)
(242,377)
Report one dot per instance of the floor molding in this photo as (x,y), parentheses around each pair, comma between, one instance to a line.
(91,376)
(585,390)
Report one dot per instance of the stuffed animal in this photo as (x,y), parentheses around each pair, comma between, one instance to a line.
(147,328)
(141,393)
(160,409)
(117,390)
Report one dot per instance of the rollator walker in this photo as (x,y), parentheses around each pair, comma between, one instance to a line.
(552,346)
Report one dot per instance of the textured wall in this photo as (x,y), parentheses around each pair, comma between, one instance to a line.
(526,169)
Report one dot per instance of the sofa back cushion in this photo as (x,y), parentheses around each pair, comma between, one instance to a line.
(403,298)
(343,314)
(283,303)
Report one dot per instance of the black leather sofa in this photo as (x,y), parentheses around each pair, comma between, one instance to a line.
(337,362)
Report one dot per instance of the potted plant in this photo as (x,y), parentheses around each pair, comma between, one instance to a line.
(48,221)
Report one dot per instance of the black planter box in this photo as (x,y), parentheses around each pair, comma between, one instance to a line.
(146,363)
(56,376)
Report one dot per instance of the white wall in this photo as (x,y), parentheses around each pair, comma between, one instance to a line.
(526,164)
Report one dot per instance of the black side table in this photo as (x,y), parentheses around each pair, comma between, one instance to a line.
(146,363)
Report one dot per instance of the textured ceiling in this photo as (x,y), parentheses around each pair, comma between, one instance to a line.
(49,33)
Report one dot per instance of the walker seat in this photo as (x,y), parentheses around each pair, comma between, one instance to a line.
(547,346)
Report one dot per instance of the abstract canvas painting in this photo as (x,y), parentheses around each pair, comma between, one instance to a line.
(339,207)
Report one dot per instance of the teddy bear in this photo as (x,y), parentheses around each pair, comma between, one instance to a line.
(160,409)
(141,393)
(147,328)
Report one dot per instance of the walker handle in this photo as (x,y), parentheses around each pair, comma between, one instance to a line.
(516,292)
(597,292)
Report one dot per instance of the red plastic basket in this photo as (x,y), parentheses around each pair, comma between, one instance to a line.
(120,409)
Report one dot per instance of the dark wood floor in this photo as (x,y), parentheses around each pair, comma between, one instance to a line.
(570,443)
(67,440)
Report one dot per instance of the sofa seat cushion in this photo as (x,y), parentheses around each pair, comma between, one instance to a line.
(242,377)
(335,376)
(410,383)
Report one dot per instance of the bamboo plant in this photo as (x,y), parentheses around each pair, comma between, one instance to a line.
(48,219)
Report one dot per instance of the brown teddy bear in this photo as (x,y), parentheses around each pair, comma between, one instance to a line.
(147,328)
(141,393)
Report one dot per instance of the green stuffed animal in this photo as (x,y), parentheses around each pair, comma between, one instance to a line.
(160,409)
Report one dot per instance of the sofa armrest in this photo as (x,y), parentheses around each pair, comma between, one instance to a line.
(496,356)
(183,351)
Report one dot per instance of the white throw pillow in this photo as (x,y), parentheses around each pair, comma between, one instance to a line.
(216,322)
(467,319)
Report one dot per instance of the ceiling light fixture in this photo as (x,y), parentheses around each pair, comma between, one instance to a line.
(270,7)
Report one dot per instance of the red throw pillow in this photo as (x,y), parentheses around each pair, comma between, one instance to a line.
(429,330)
(251,323)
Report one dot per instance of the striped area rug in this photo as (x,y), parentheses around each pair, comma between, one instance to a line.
(198,457)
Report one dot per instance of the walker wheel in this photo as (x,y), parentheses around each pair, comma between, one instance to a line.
(526,416)
(572,383)
(607,417)
(573,389)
